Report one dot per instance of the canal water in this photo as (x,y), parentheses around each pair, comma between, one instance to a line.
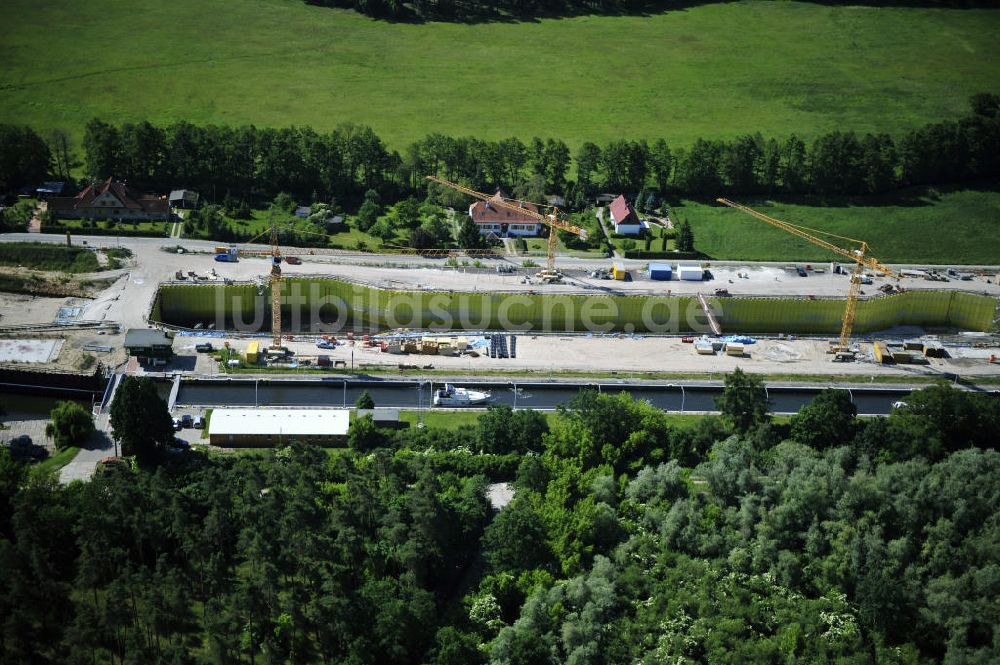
(414,394)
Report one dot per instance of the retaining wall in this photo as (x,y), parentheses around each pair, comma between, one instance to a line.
(336,303)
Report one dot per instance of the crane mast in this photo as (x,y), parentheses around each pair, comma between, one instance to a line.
(275,284)
(551,220)
(857,255)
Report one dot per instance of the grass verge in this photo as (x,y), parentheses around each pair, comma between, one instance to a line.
(54,463)
(48,256)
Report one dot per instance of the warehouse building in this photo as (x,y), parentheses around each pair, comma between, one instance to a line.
(262,428)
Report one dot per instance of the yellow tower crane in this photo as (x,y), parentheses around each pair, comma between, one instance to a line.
(857,254)
(274,279)
(550,274)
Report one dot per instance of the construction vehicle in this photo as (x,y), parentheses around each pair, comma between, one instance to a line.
(550,275)
(857,254)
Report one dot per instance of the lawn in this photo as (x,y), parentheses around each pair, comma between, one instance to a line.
(713,70)
(45,256)
(960,227)
(54,463)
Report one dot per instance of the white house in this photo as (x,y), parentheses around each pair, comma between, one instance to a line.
(502,220)
(624,219)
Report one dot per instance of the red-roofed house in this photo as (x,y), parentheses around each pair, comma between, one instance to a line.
(110,200)
(501,220)
(626,222)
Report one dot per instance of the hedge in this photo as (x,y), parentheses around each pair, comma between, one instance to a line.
(96,231)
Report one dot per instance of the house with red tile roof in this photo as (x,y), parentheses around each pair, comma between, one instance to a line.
(626,222)
(111,200)
(503,221)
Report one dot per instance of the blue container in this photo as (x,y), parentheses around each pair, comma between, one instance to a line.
(660,271)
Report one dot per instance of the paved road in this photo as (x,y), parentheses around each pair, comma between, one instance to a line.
(128,301)
(83,465)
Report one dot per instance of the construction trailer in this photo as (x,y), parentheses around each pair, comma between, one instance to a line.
(660,271)
(690,272)
(618,271)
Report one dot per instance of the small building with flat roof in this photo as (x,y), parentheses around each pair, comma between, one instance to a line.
(183,198)
(382,417)
(148,343)
(263,428)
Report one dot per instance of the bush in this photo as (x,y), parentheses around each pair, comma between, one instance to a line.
(71,425)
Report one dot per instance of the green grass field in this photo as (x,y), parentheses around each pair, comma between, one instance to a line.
(714,70)
(959,227)
(44,256)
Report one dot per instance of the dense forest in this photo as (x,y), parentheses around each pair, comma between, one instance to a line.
(253,165)
(630,539)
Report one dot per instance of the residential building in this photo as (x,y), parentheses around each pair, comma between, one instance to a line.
(234,428)
(624,219)
(111,200)
(502,220)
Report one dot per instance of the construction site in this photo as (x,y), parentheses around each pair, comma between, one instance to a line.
(263,308)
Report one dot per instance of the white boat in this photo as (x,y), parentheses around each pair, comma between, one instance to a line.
(452,396)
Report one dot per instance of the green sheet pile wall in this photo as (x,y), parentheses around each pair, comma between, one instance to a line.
(327,304)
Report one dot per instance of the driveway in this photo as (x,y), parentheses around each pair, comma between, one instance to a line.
(607,236)
(99,446)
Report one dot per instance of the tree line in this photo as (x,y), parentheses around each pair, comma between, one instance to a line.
(252,165)
(489,10)
(630,538)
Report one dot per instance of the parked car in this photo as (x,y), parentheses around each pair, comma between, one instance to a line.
(199,422)
(205,347)
(186,421)
(293,260)
(801,271)
(179,443)
(177,425)
(323,344)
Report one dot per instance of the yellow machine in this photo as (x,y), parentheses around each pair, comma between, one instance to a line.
(857,255)
(551,220)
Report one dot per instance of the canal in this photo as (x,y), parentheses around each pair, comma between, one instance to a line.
(527,395)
